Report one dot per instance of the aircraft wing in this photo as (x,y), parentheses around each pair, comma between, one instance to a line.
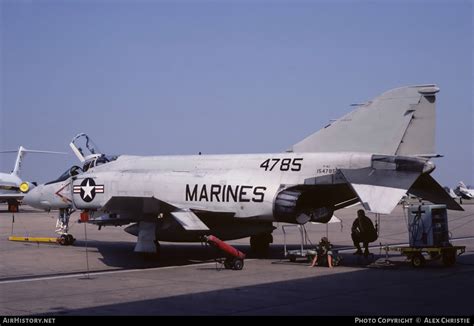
(150,207)
(137,205)
(334,219)
(4,197)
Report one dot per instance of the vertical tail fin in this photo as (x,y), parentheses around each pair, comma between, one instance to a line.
(398,122)
(21,154)
(17,168)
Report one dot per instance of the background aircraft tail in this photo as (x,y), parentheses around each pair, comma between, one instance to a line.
(398,122)
(21,153)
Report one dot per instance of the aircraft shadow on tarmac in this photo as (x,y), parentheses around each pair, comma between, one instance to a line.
(122,256)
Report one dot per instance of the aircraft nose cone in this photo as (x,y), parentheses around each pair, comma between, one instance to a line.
(33,197)
(49,196)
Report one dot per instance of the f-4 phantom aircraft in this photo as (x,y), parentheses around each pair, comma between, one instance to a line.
(12,187)
(463,191)
(451,192)
(373,155)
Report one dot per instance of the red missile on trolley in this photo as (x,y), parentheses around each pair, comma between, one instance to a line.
(224,247)
(235,258)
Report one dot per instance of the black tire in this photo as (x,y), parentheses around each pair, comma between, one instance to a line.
(238,264)
(260,244)
(449,257)
(63,240)
(292,258)
(157,249)
(70,239)
(153,256)
(418,261)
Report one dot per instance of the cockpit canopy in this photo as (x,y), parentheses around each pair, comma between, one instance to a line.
(84,148)
(99,160)
(74,170)
(88,153)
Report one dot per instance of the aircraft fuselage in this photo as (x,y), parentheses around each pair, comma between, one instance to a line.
(245,185)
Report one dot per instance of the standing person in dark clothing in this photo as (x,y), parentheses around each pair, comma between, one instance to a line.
(363,230)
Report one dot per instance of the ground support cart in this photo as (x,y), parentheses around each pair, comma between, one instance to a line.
(418,256)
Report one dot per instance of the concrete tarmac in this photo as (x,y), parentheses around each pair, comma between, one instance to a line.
(49,279)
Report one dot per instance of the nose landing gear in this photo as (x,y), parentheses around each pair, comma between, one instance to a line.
(62,227)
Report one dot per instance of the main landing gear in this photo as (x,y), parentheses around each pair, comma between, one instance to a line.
(13,205)
(260,244)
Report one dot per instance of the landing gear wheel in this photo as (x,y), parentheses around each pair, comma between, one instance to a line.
(66,240)
(238,264)
(70,239)
(153,256)
(418,261)
(157,248)
(260,244)
(13,206)
(63,240)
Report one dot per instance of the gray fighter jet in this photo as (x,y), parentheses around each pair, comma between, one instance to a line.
(373,155)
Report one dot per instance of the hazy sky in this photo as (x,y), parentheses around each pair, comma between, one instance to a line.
(179,77)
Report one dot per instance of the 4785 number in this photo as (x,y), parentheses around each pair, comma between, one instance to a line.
(285,164)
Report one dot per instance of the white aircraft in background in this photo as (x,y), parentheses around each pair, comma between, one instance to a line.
(373,155)
(12,187)
(463,191)
(451,192)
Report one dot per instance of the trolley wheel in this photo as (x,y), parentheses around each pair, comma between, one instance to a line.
(449,257)
(292,258)
(228,263)
(238,264)
(418,260)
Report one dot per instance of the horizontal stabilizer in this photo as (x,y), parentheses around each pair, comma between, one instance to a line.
(189,221)
(427,188)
